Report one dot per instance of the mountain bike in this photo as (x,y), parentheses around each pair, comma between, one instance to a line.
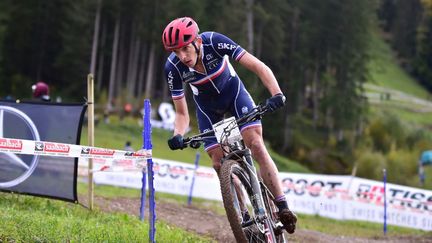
(248,202)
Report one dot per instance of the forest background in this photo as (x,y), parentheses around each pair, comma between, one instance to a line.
(323,53)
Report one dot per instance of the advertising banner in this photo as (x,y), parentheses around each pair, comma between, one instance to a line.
(35,173)
(169,176)
(406,206)
(322,195)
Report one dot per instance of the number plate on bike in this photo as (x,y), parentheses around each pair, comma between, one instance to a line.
(227,131)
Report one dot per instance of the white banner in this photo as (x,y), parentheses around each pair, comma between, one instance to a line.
(316,194)
(169,176)
(406,206)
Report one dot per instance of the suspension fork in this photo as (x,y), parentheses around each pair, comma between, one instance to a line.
(257,198)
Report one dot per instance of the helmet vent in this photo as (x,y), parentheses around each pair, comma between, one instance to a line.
(176,38)
(186,38)
(169,35)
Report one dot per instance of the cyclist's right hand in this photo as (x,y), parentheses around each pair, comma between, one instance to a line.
(176,142)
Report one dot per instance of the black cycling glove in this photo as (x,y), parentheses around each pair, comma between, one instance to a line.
(176,142)
(275,102)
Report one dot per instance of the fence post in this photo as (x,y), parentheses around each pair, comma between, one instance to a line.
(90,133)
(197,157)
(385,201)
(148,146)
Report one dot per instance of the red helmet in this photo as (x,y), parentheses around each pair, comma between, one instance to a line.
(40,89)
(180,32)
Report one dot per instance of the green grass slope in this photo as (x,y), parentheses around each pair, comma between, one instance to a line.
(408,100)
(32,219)
(386,72)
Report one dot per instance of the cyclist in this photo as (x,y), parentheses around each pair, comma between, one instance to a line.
(201,61)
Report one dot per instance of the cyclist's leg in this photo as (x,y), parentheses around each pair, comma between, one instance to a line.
(253,139)
(252,135)
(269,172)
(216,154)
(206,113)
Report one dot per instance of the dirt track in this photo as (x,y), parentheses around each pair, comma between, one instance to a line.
(208,223)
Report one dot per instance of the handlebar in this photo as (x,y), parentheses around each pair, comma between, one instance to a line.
(255,114)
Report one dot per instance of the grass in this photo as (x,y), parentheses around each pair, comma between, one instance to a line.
(386,72)
(32,219)
(417,118)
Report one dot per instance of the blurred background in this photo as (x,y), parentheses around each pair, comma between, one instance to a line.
(357,74)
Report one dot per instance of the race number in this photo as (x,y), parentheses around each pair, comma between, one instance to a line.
(227,131)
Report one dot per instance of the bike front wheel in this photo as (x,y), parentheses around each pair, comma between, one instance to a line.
(239,202)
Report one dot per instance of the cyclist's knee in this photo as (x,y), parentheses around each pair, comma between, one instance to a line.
(257,146)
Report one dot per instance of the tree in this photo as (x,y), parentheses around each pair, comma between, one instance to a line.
(423,59)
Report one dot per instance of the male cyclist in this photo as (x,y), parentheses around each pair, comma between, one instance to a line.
(202,61)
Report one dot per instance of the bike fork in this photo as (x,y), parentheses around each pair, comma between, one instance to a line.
(257,197)
(258,203)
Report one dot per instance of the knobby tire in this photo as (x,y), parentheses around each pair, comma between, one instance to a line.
(250,233)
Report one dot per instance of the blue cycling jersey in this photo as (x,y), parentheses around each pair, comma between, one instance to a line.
(217,91)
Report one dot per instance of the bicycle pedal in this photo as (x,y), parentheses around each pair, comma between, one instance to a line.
(278,229)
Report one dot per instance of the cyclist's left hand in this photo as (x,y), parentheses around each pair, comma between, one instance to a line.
(275,102)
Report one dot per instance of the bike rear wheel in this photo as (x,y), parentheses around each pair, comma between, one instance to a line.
(237,195)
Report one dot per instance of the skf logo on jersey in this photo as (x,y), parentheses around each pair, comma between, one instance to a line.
(98,151)
(39,146)
(85,150)
(10,144)
(170,80)
(56,148)
(226,46)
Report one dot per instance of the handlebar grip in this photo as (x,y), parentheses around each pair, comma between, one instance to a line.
(263,107)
